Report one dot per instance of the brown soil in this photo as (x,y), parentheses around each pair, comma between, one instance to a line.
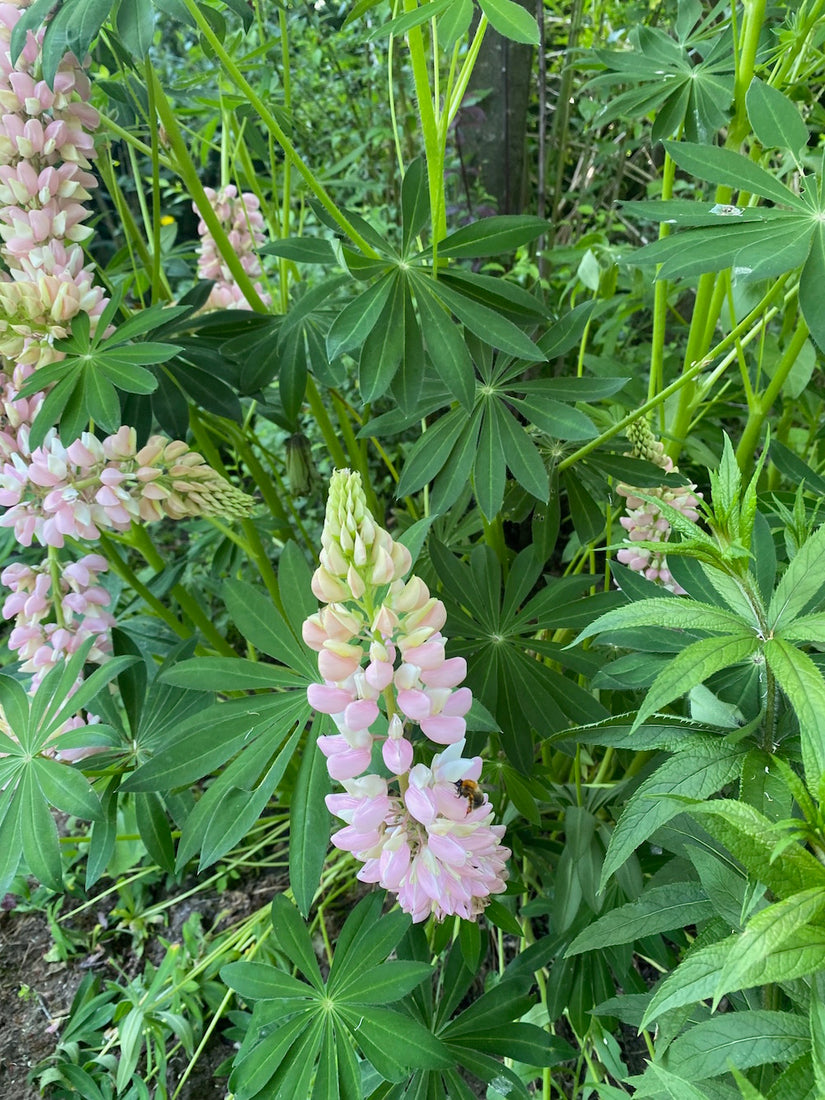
(35,995)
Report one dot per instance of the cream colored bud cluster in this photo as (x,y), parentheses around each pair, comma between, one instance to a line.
(356,553)
(178,483)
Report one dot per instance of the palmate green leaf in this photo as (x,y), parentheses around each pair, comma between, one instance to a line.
(293,938)
(383,984)
(557,420)
(452,481)
(764,936)
(415,203)
(154,830)
(262,982)
(64,704)
(445,344)
(659,909)
(366,938)
(135,24)
(231,674)
(72,30)
(429,454)
(774,118)
(492,236)
(488,324)
(394,1042)
(521,454)
(258,1062)
(66,789)
(259,622)
(15,704)
(511,20)
(489,469)
(754,250)
(235,800)
(101,401)
(693,666)
(742,1039)
(723,166)
(802,683)
(309,821)
(810,282)
(403,23)
(696,773)
(454,22)
(41,846)
(209,739)
(383,346)
(356,320)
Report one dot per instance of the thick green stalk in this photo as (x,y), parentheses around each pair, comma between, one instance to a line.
(704,317)
(271,123)
(153,136)
(763,402)
(660,290)
(430,130)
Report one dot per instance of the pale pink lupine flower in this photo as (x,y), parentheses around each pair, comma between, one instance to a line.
(418,837)
(241,218)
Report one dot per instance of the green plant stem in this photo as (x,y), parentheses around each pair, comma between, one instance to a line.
(128,575)
(271,123)
(337,452)
(745,326)
(660,292)
(155,154)
(141,542)
(770,709)
(762,403)
(433,149)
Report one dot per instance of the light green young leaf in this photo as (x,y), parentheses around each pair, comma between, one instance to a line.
(817,1022)
(802,683)
(764,937)
(674,614)
(697,773)
(800,582)
(753,839)
(741,1039)
(692,666)
(664,1085)
(659,909)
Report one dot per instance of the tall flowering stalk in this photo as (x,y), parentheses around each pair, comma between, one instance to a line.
(385,672)
(644,522)
(55,493)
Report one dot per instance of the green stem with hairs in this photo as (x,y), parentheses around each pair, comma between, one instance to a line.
(761,404)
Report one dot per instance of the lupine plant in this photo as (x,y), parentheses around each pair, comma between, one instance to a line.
(324,498)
